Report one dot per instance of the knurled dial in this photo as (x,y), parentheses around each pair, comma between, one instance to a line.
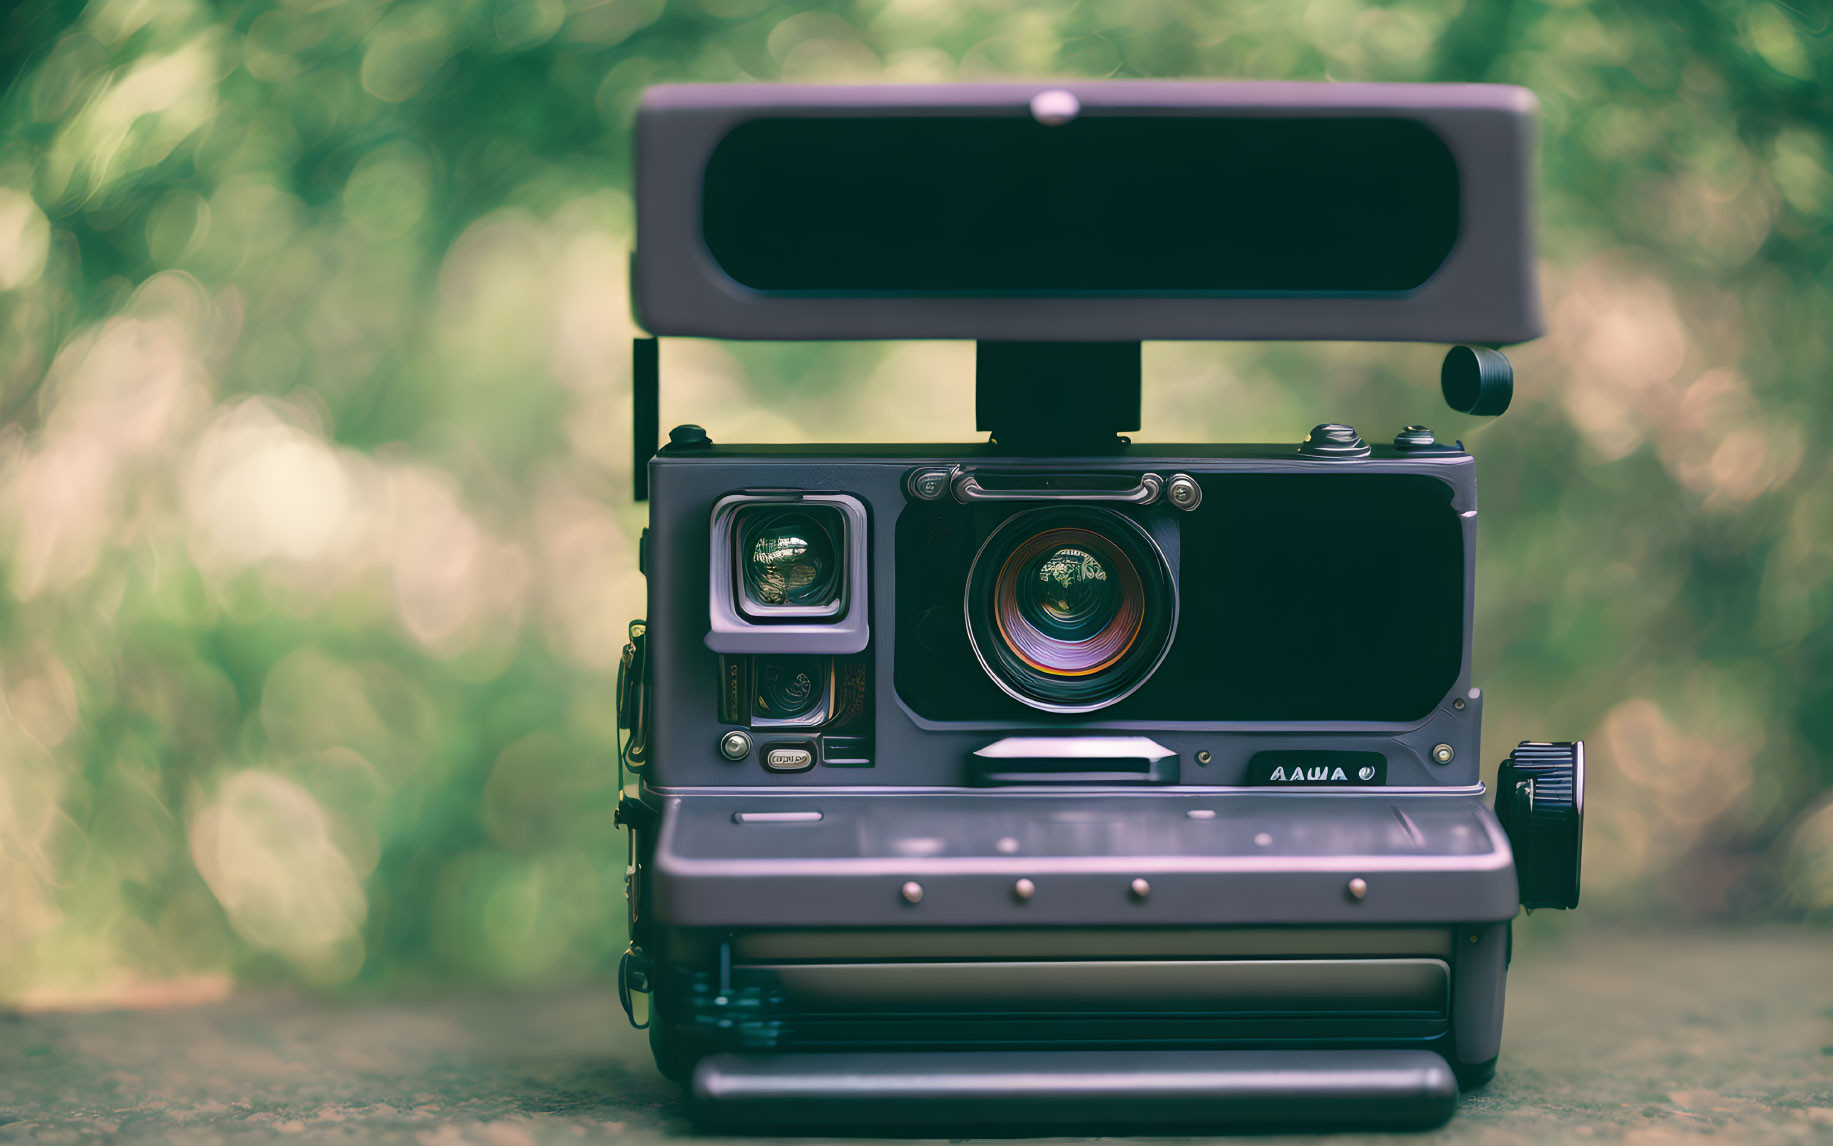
(1540,799)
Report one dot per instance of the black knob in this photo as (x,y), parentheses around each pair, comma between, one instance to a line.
(687,437)
(1477,380)
(1540,799)
(1333,440)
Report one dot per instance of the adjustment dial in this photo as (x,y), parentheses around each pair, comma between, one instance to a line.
(1540,799)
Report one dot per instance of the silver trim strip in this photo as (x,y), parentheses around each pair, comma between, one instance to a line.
(775,817)
(967,488)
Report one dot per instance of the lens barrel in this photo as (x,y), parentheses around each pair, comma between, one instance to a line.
(1070,609)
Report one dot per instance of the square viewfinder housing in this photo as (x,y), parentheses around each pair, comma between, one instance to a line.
(788,574)
(1095,211)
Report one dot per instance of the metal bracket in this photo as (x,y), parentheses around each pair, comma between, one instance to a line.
(645,412)
(632,980)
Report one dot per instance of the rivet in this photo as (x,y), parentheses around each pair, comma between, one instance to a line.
(1358,888)
(1204,757)
(1007,846)
(1443,753)
(912,892)
(1024,889)
(1184,492)
(1473,938)
(1263,839)
(1459,704)
(1140,889)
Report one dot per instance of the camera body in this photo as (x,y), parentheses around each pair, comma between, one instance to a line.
(1060,777)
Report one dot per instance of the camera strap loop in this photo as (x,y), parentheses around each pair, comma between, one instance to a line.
(632,980)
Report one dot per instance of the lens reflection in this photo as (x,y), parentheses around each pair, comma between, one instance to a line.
(1069,602)
(790,687)
(1068,593)
(789,560)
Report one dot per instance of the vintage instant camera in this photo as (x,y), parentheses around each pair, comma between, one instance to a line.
(1054,778)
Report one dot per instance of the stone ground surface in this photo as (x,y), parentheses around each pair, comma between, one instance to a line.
(1649,1037)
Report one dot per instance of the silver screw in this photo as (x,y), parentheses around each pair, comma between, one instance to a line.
(1184,492)
(1358,888)
(1024,889)
(735,745)
(1443,753)
(1203,757)
(1140,889)
(912,892)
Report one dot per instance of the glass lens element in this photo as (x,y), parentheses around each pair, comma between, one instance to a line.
(1070,610)
(788,559)
(790,687)
(1068,602)
(1068,594)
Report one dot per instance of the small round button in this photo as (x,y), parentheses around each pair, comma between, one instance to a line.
(912,892)
(928,485)
(1414,437)
(735,745)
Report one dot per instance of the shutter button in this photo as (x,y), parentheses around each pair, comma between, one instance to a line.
(1334,440)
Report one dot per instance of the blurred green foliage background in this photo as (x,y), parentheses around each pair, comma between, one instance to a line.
(314,482)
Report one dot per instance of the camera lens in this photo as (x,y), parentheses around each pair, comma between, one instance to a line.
(1069,602)
(789,559)
(1070,610)
(792,689)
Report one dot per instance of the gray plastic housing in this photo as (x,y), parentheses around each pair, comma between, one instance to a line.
(823,859)
(1270,859)
(915,753)
(1485,291)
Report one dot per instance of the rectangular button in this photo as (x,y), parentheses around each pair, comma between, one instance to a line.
(788,759)
(775,817)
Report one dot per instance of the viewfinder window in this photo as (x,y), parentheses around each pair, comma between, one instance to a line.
(1125,204)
